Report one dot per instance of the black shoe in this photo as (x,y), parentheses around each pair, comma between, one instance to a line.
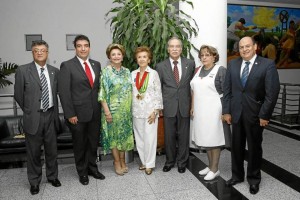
(254,189)
(97,175)
(181,169)
(84,180)
(232,182)
(167,168)
(34,189)
(55,182)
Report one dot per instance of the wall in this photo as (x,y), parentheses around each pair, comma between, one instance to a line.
(53,19)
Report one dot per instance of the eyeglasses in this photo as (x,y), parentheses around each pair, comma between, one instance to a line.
(205,55)
(42,51)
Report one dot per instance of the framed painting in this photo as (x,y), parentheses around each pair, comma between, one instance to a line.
(69,41)
(276,31)
(29,38)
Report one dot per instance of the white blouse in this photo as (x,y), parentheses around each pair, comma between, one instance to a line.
(142,108)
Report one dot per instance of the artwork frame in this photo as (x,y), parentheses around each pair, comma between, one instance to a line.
(268,26)
(29,38)
(69,41)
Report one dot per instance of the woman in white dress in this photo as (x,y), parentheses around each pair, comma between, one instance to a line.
(206,110)
(146,104)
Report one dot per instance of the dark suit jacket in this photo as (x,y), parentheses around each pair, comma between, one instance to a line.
(260,94)
(77,97)
(174,95)
(28,94)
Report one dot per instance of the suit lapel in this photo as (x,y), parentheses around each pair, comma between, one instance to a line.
(35,74)
(95,69)
(184,67)
(51,73)
(238,72)
(254,67)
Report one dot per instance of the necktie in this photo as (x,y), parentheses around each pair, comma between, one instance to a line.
(245,73)
(176,72)
(88,74)
(45,91)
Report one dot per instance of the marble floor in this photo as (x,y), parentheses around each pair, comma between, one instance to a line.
(280,178)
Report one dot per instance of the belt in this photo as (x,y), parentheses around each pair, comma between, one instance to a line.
(46,110)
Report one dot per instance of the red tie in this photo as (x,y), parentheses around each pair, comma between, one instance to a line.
(89,74)
(176,72)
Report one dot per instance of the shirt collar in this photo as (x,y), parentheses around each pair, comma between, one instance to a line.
(251,60)
(179,61)
(82,61)
(38,67)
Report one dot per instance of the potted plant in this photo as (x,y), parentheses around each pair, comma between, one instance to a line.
(5,70)
(151,23)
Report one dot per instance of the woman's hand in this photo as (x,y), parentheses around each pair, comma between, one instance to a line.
(192,113)
(151,118)
(109,118)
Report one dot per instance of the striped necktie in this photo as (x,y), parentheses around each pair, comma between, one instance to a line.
(45,90)
(245,73)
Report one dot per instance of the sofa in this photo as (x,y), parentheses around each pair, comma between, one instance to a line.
(13,141)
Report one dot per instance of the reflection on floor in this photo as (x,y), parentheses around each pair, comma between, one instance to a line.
(280,178)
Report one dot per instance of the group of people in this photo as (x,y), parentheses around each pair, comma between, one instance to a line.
(201,102)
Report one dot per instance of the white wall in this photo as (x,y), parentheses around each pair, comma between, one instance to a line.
(53,19)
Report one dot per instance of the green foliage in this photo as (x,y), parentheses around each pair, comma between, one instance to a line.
(5,70)
(151,23)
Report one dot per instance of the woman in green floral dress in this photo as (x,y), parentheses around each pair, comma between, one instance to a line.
(115,97)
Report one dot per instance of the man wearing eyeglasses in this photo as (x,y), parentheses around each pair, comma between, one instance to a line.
(35,91)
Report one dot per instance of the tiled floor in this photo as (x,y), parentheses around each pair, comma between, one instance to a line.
(280,150)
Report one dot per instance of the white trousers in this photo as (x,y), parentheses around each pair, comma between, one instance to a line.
(146,140)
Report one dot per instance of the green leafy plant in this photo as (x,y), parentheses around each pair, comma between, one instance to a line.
(5,70)
(152,23)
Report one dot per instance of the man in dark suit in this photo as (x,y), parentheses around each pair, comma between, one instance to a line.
(35,91)
(78,85)
(175,75)
(251,90)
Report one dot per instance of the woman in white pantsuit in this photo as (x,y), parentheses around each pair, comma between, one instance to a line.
(146,104)
(208,130)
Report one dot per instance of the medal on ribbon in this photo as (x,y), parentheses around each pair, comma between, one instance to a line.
(141,85)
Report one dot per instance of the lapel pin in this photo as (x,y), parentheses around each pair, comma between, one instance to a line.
(256,63)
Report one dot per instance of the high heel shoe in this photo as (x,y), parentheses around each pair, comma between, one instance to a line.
(142,167)
(124,166)
(118,170)
(148,171)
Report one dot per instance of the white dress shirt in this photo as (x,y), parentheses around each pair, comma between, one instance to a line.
(46,72)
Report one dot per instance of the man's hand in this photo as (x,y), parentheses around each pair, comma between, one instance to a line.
(263,122)
(73,120)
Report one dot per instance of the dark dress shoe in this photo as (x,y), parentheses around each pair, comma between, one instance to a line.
(181,169)
(55,182)
(34,189)
(232,182)
(167,168)
(84,180)
(254,189)
(97,175)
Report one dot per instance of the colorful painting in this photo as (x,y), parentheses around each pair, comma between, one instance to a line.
(275,30)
